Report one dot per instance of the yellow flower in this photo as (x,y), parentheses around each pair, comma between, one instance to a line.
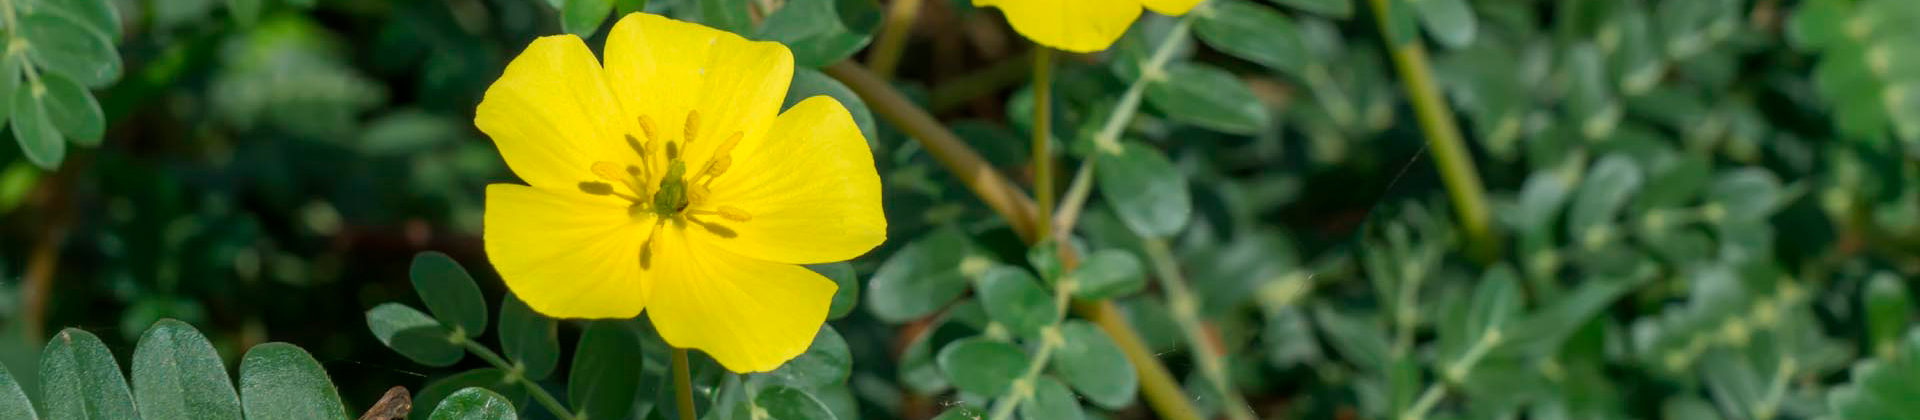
(668,180)
(1079,25)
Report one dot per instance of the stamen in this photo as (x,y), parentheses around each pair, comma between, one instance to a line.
(646,127)
(735,214)
(696,192)
(693,125)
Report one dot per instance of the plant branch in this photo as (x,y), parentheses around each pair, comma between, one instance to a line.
(1186,313)
(1454,373)
(516,374)
(1443,137)
(952,152)
(1108,138)
(1162,391)
(1051,339)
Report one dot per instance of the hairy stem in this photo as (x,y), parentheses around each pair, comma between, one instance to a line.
(1443,137)
(1051,340)
(1109,135)
(1186,313)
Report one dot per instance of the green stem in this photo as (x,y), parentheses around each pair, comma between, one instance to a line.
(683,383)
(1108,138)
(1443,138)
(1162,392)
(1455,372)
(1050,340)
(517,374)
(1042,134)
(1186,314)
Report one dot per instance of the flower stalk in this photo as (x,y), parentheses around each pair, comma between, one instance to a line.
(683,384)
(1043,133)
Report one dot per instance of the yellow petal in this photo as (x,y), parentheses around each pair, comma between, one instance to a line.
(567,254)
(663,68)
(809,190)
(750,315)
(1170,7)
(551,114)
(1072,25)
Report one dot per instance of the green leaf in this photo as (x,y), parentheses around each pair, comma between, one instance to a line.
(413,334)
(626,7)
(822,32)
(606,371)
(1819,24)
(1252,32)
(1881,387)
(528,338)
(1543,331)
(1889,307)
(808,83)
(474,404)
(1014,299)
(1093,364)
(99,15)
(13,401)
(1338,9)
(1108,273)
(1051,401)
(245,12)
(1147,192)
(73,110)
(962,412)
(725,15)
(826,362)
(845,297)
(1496,303)
(982,366)
(80,380)
(1361,341)
(583,17)
(177,375)
(1608,185)
(449,292)
(427,402)
(919,278)
(1208,97)
(62,45)
(10,76)
(281,381)
(1590,98)
(788,403)
(1449,21)
(1746,195)
(38,139)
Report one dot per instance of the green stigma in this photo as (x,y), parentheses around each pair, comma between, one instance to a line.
(672,196)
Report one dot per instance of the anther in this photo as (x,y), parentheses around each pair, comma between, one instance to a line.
(735,214)
(697,192)
(646,127)
(720,165)
(693,125)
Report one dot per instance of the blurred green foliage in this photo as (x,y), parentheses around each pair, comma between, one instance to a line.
(1704,209)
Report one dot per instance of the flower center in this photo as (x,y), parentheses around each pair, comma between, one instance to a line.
(676,195)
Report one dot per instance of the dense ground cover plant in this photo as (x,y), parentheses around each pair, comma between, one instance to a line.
(1177,209)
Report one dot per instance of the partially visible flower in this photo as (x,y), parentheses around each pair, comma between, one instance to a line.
(1080,25)
(669,181)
